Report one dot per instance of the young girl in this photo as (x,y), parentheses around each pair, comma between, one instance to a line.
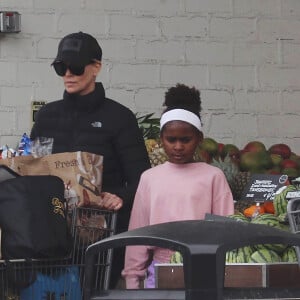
(179,189)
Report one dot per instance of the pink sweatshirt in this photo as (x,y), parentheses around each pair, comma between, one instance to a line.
(173,192)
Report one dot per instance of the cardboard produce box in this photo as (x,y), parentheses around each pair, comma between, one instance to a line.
(170,276)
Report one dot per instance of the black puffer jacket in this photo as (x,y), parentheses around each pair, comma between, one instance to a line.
(98,125)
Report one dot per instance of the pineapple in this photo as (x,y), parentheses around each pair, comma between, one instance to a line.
(229,168)
(157,156)
(151,144)
(150,128)
(237,180)
(239,183)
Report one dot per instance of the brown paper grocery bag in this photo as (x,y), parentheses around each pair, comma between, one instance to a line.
(80,171)
(14,162)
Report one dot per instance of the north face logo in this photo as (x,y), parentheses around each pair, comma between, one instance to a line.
(96,124)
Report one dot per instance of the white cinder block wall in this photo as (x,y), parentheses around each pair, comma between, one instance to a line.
(244,56)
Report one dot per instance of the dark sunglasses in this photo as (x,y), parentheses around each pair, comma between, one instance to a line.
(61,69)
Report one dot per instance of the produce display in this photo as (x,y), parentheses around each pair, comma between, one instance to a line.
(250,255)
(262,253)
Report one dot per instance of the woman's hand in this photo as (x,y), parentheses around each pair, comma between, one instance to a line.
(110,201)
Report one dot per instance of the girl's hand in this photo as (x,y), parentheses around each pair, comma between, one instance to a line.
(111,201)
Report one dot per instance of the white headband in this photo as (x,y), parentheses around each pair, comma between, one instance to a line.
(180,115)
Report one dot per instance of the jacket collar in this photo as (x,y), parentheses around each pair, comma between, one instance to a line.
(88,102)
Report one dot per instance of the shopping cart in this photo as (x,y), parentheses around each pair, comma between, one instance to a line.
(293,213)
(62,279)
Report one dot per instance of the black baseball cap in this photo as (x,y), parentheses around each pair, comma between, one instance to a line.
(78,49)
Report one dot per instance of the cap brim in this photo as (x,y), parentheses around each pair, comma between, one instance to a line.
(71,59)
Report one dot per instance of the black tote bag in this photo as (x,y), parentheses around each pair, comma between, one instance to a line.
(33,218)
